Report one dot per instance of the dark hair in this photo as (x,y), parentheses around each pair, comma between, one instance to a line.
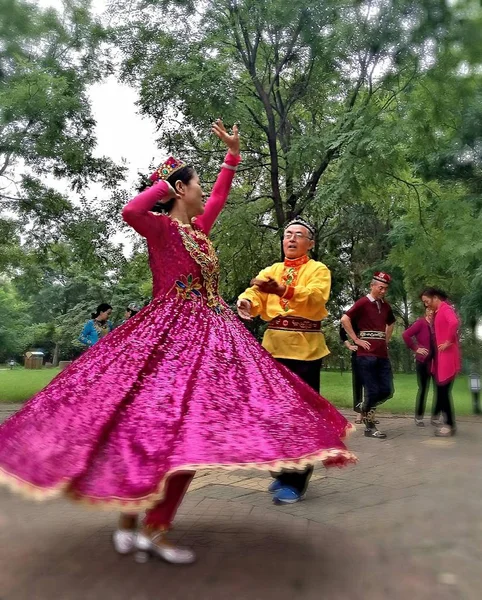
(132,312)
(431,292)
(184,175)
(101,308)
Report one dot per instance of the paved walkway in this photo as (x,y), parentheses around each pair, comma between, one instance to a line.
(405,523)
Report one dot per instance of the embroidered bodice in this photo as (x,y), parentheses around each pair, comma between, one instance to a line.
(183,261)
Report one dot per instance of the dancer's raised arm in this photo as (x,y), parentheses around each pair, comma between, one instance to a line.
(222,187)
(137,213)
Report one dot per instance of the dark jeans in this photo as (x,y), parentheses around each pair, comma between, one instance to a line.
(310,372)
(443,402)
(377,379)
(356,383)
(423,377)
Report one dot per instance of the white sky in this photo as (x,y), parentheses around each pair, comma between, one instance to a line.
(121,132)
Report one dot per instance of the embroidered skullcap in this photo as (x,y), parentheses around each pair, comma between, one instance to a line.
(382,277)
(170,166)
(302,222)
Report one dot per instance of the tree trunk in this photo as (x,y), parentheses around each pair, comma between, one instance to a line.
(55,359)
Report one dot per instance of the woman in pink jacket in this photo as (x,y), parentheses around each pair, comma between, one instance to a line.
(446,362)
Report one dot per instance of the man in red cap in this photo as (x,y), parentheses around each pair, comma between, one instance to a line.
(373,318)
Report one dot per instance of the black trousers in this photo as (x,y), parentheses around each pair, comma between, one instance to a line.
(377,379)
(310,372)
(356,382)
(443,402)
(423,377)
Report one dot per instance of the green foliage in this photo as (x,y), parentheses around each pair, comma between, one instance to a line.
(14,322)
(363,117)
(46,63)
(56,255)
(309,81)
(351,114)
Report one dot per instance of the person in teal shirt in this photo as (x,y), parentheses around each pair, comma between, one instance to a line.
(98,326)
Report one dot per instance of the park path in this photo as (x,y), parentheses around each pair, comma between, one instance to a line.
(405,523)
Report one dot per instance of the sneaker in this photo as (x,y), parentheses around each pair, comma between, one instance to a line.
(124,540)
(274,486)
(419,422)
(287,495)
(374,433)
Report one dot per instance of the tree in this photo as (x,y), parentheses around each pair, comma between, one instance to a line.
(331,100)
(14,321)
(47,62)
(309,81)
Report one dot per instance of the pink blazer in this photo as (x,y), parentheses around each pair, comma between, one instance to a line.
(447,363)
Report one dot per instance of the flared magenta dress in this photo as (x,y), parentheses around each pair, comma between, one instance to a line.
(182,385)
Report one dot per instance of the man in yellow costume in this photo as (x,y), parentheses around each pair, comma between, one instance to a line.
(292,297)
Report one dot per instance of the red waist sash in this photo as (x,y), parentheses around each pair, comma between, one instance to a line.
(294,324)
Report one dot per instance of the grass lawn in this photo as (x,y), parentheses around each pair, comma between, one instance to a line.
(336,387)
(20,385)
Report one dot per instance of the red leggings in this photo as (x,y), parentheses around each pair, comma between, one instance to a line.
(162,514)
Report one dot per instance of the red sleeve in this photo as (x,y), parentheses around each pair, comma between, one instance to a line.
(137,213)
(410,333)
(390,316)
(355,311)
(452,324)
(219,194)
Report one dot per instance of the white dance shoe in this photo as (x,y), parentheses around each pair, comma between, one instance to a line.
(157,546)
(124,540)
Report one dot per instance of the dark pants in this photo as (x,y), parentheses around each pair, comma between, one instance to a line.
(423,377)
(443,402)
(356,383)
(376,376)
(308,371)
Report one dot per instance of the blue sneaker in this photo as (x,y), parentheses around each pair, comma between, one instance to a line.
(287,495)
(274,486)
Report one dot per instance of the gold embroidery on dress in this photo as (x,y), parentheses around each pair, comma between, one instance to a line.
(102,330)
(208,262)
(188,287)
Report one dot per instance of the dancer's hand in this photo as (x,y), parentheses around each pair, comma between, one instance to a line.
(170,194)
(231,141)
(422,351)
(244,309)
(269,286)
(363,344)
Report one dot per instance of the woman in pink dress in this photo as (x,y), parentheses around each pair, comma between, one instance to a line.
(181,386)
(446,355)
